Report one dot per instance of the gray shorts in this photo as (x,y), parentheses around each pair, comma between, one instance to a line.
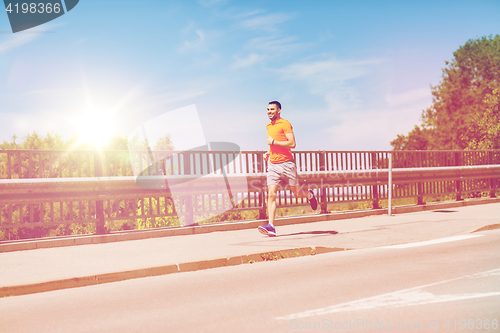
(282,172)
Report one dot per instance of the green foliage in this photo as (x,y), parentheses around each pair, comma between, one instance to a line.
(463,103)
(149,206)
(35,141)
(72,158)
(417,139)
(164,143)
(117,142)
(485,134)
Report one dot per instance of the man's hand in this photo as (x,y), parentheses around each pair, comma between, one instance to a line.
(290,143)
(266,155)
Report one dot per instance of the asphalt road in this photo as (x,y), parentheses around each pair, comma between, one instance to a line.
(446,286)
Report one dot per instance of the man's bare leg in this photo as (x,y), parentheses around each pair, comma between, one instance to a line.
(299,192)
(271,202)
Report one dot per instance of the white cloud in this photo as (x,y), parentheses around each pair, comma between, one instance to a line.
(370,130)
(171,97)
(200,45)
(16,41)
(267,40)
(329,71)
(266,22)
(24,37)
(80,41)
(350,121)
(246,62)
(408,96)
(40,92)
(22,125)
(195,42)
(273,44)
(331,79)
(246,14)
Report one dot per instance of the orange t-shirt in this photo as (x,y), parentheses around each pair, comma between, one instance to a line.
(277,131)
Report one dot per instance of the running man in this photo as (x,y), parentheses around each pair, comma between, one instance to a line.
(281,165)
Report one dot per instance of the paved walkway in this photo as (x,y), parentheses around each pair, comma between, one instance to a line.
(31,271)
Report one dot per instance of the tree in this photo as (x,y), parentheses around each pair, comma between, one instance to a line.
(486,132)
(164,143)
(460,101)
(74,155)
(417,139)
(35,141)
(117,142)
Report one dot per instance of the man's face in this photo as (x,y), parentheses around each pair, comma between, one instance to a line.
(273,112)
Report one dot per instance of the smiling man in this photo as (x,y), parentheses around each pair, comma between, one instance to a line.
(281,167)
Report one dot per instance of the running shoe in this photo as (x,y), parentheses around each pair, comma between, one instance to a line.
(267,230)
(312,201)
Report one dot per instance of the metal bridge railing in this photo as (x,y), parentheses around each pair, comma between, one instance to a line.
(41,201)
(22,164)
(36,189)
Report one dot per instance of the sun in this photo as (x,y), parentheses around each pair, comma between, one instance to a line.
(95,128)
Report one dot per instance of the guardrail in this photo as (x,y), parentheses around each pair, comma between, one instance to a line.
(32,203)
(22,164)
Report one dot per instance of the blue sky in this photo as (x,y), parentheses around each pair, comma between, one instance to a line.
(350,75)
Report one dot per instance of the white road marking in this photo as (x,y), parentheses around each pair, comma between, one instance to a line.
(405,297)
(430,242)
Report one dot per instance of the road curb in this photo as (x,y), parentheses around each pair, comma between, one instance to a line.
(226,226)
(162,270)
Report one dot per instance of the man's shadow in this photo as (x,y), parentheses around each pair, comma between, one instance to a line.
(332,232)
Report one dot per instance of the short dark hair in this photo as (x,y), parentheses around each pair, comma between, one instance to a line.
(278,104)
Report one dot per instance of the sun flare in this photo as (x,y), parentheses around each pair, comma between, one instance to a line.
(95,128)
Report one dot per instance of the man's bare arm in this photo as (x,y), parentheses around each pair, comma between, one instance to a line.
(287,144)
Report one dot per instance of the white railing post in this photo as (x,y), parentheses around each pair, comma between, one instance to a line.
(390,185)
